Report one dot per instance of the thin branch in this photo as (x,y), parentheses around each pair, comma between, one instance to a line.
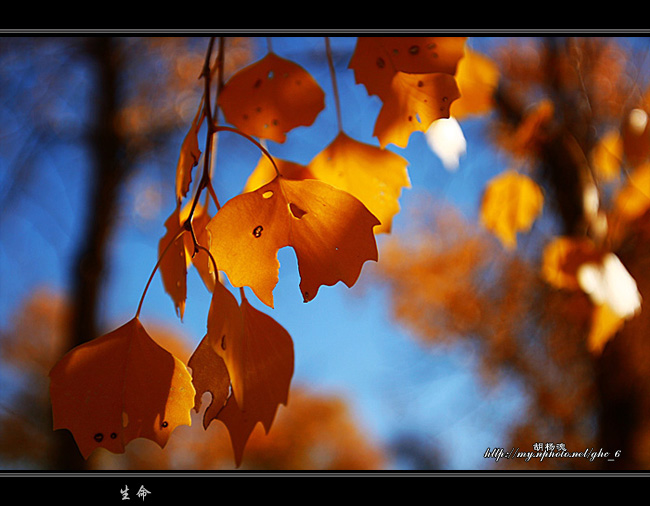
(330,62)
(178,234)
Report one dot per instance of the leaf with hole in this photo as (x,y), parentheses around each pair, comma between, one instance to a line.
(330,230)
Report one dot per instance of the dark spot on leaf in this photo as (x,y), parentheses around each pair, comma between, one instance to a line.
(164,425)
(381,63)
(98,437)
(257,231)
(113,435)
(414,50)
(223,342)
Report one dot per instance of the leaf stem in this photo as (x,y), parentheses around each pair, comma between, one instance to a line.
(330,63)
(178,234)
(251,139)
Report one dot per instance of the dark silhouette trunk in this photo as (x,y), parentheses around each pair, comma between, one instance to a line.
(108,171)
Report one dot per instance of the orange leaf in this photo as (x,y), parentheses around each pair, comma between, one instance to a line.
(605,323)
(511,203)
(173,263)
(414,78)
(119,387)
(415,101)
(607,156)
(264,172)
(375,176)
(376,59)
(187,160)
(477,78)
(259,360)
(270,97)
(209,374)
(330,230)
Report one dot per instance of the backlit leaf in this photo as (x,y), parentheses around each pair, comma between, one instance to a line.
(413,77)
(607,156)
(510,204)
(477,77)
(119,387)
(375,176)
(209,374)
(264,172)
(173,262)
(605,323)
(188,159)
(330,230)
(255,354)
(271,97)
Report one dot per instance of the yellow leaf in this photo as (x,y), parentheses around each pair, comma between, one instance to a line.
(477,79)
(270,97)
(264,172)
(605,323)
(413,103)
(375,176)
(330,231)
(119,387)
(633,199)
(413,77)
(511,203)
(187,160)
(607,156)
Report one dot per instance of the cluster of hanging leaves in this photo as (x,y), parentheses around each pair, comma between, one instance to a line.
(123,385)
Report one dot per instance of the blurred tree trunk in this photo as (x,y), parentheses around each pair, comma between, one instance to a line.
(108,172)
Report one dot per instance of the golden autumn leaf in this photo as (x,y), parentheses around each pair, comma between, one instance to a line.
(562,258)
(633,199)
(188,159)
(270,97)
(249,350)
(413,77)
(119,387)
(375,176)
(173,262)
(605,323)
(477,77)
(211,375)
(607,156)
(264,172)
(511,203)
(330,230)
(414,103)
